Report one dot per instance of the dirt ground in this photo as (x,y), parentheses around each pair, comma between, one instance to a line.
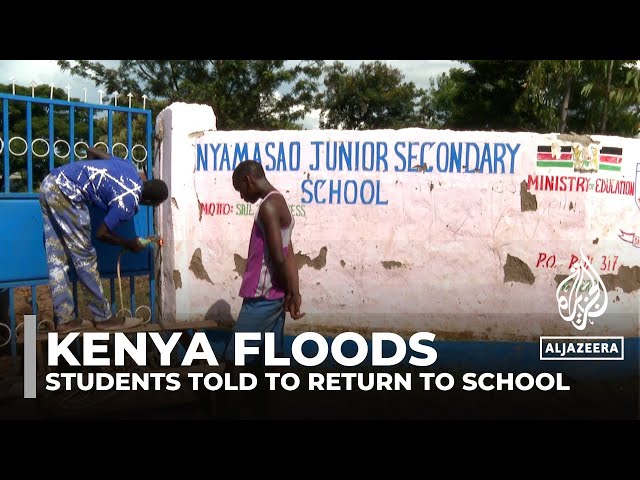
(23,298)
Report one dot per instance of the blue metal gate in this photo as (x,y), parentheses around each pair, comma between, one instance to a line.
(36,135)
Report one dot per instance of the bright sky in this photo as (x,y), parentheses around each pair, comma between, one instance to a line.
(46,72)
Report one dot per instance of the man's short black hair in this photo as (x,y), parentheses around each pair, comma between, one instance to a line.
(248,167)
(154,191)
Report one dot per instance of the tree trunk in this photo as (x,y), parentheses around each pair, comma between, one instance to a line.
(603,122)
(565,104)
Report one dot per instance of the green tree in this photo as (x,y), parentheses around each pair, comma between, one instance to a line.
(580,96)
(244,94)
(583,96)
(482,96)
(550,91)
(612,93)
(374,96)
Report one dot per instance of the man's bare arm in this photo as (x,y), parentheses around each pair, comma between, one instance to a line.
(105,235)
(293,302)
(286,270)
(270,218)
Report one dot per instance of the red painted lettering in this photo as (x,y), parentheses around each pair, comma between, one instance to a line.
(574,259)
(541,257)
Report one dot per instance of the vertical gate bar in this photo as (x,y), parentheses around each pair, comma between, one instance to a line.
(12,327)
(91,142)
(132,293)
(112,287)
(51,137)
(149,148)
(34,300)
(150,220)
(5,135)
(110,130)
(29,152)
(72,134)
(129,138)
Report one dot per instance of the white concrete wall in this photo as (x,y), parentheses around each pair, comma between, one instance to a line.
(427,249)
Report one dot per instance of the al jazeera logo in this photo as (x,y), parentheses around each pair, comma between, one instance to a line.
(582,299)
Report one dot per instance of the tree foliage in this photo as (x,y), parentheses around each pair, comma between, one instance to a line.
(374,96)
(580,96)
(550,90)
(482,96)
(244,94)
(611,92)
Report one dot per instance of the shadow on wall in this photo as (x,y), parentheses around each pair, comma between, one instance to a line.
(220,312)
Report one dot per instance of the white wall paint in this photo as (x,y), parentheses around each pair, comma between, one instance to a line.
(431,258)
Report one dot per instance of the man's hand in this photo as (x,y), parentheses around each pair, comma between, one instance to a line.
(292,302)
(133,245)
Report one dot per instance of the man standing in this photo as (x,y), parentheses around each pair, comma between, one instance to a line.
(111,184)
(270,282)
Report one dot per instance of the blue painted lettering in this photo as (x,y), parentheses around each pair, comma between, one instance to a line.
(256,153)
(225,158)
(456,157)
(338,191)
(486,158)
(240,154)
(513,151)
(350,156)
(443,157)
(472,168)
(270,155)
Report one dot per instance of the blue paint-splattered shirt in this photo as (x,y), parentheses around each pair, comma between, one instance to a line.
(112,185)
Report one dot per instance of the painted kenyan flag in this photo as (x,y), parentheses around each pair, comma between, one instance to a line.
(609,158)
